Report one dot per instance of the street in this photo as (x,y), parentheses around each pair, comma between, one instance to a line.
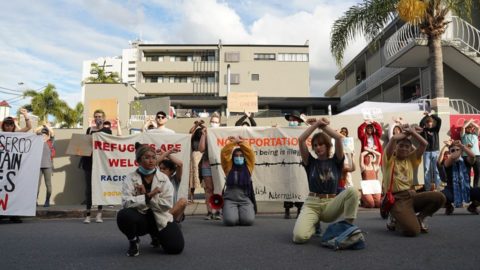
(453,242)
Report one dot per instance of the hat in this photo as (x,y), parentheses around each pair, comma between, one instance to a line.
(294,114)
(45,131)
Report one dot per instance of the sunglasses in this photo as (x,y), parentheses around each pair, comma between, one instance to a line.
(453,150)
(161,117)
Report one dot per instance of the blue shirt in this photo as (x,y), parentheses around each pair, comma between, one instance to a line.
(472,139)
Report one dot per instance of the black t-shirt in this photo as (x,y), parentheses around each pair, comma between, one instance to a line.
(323,175)
(88,161)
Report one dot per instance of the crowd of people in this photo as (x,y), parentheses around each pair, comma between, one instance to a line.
(151,204)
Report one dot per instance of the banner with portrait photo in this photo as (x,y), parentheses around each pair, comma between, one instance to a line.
(114,159)
(278,174)
(20,156)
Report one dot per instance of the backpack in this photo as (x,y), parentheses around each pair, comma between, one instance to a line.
(343,235)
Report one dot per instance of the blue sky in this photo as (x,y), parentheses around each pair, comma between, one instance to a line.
(46,41)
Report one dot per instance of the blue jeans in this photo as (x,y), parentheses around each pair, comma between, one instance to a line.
(430,170)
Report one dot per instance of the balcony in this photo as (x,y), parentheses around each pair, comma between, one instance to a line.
(178,88)
(177,67)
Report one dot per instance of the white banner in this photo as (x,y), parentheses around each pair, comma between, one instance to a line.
(20,156)
(278,173)
(114,159)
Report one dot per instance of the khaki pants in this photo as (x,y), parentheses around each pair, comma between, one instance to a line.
(408,203)
(327,210)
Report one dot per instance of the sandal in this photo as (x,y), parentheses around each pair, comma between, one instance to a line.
(423,227)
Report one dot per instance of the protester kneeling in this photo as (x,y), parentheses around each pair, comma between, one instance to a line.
(238,161)
(323,173)
(147,197)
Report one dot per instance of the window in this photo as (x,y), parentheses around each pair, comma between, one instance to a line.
(234,78)
(232,57)
(293,57)
(264,56)
(131,62)
(131,75)
(131,68)
(255,77)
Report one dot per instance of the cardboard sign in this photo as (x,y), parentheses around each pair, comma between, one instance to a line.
(80,145)
(242,102)
(109,106)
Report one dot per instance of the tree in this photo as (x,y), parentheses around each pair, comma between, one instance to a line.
(46,102)
(371,16)
(101,76)
(71,117)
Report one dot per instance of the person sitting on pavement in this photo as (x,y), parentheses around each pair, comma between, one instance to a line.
(323,174)
(457,190)
(410,208)
(370,166)
(147,197)
(173,168)
(242,122)
(238,162)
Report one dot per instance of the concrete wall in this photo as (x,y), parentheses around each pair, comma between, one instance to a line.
(460,88)
(69,184)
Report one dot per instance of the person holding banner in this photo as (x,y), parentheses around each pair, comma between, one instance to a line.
(172,167)
(371,187)
(86,164)
(323,174)
(195,158)
(469,136)
(410,208)
(238,162)
(147,197)
(9,125)
(206,169)
(162,120)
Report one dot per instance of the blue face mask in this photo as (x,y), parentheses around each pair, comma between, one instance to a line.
(238,160)
(145,171)
(292,123)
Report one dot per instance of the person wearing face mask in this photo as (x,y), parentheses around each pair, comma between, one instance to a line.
(294,120)
(323,175)
(238,162)
(147,197)
(86,165)
(206,171)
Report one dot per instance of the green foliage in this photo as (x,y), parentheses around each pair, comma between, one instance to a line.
(101,76)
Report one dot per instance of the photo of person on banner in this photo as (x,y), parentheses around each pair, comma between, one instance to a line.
(323,174)
(238,162)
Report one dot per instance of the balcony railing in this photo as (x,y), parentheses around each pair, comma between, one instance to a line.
(459,33)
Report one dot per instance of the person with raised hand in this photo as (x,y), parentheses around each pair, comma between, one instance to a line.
(469,136)
(399,161)
(323,174)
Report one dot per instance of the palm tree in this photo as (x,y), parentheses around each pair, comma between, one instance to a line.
(71,117)
(101,76)
(45,103)
(371,16)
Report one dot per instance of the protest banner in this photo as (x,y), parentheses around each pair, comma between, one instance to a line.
(373,114)
(114,159)
(80,145)
(20,156)
(457,121)
(242,102)
(278,173)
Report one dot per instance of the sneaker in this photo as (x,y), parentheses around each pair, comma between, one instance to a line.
(98,218)
(87,220)
(449,209)
(472,209)
(217,216)
(318,230)
(133,248)
(209,216)
(391,223)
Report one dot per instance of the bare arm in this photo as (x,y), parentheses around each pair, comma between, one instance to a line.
(337,137)
(202,145)
(28,122)
(302,142)
(422,142)
(390,148)
(353,166)
(361,160)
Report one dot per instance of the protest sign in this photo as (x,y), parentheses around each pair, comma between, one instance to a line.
(278,173)
(348,145)
(373,114)
(114,159)
(242,102)
(80,145)
(109,106)
(20,156)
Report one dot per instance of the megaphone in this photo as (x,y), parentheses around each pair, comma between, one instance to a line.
(216,201)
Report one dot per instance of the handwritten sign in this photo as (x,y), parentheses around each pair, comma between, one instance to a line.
(372,114)
(80,145)
(109,106)
(242,102)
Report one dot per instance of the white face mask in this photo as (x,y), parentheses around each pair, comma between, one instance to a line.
(292,123)
(214,125)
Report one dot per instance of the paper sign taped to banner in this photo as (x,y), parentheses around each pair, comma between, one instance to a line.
(372,113)
(242,102)
(80,145)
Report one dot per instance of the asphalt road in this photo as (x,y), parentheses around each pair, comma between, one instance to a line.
(452,243)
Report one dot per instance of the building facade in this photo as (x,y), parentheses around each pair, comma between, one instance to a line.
(395,67)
